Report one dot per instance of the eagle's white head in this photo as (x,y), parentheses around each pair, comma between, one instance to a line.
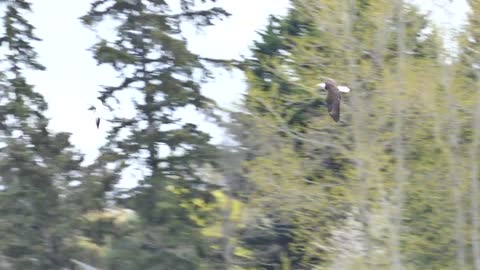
(340,88)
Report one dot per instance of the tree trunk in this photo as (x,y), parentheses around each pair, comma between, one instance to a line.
(358,128)
(453,158)
(474,186)
(227,227)
(399,151)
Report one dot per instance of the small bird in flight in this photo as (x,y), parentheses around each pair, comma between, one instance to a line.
(92,108)
(333,97)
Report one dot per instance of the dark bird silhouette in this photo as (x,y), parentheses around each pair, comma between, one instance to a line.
(97,122)
(333,97)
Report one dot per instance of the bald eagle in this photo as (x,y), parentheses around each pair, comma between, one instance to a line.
(97,121)
(333,97)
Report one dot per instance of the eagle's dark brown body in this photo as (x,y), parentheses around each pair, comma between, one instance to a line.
(333,97)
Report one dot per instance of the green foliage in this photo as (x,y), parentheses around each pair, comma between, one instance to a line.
(36,166)
(153,59)
(299,191)
(308,175)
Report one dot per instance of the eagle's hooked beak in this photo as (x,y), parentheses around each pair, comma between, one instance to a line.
(321,85)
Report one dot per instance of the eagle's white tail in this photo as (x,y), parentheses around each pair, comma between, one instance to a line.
(344,89)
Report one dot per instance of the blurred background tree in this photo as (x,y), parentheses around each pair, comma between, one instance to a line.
(392,185)
(154,63)
(37,166)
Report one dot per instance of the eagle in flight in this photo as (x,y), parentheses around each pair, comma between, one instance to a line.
(333,97)
(97,121)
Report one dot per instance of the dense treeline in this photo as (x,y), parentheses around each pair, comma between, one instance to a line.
(393,185)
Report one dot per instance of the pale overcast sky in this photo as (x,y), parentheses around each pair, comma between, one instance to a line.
(449,15)
(72,80)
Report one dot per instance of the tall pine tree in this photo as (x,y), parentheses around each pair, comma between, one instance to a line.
(36,165)
(156,67)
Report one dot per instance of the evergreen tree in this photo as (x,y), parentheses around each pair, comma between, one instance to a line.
(311,180)
(156,66)
(36,165)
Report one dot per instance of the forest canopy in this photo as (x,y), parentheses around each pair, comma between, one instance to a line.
(392,185)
